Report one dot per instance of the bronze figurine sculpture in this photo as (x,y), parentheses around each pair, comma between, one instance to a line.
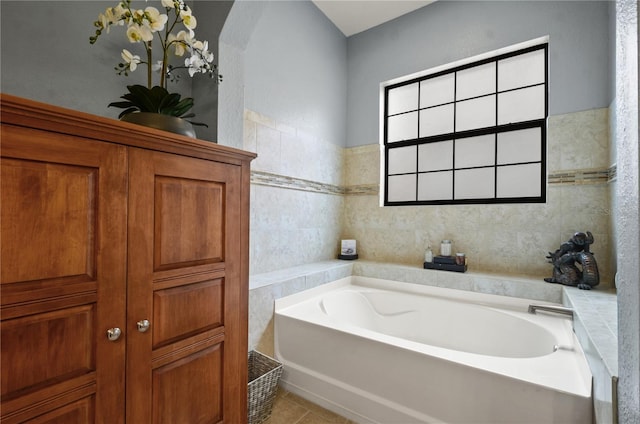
(565,271)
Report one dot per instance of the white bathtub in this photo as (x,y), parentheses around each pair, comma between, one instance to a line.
(379,351)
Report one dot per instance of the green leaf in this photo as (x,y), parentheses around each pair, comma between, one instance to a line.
(144,98)
(182,107)
(121,104)
(128,111)
(167,104)
(200,124)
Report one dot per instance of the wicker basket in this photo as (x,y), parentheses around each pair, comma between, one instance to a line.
(264,373)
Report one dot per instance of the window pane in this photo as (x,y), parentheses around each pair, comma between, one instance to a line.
(402,160)
(475,151)
(402,127)
(435,156)
(520,146)
(401,188)
(436,91)
(403,99)
(521,105)
(475,183)
(435,186)
(476,113)
(519,181)
(476,81)
(436,120)
(520,71)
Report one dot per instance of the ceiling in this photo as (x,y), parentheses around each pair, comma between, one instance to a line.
(354,16)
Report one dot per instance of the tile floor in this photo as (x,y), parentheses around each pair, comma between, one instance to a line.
(292,409)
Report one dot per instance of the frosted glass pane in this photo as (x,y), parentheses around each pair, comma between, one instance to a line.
(475,151)
(436,91)
(401,188)
(435,186)
(476,113)
(436,120)
(476,81)
(435,156)
(475,183)
(402,160)
(520,146)
(403,99)
(402,127)
(520,71)
(519,181)
(521,105)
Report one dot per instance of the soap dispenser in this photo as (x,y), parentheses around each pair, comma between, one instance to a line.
(428,255)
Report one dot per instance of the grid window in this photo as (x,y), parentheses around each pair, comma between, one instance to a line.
(474,133)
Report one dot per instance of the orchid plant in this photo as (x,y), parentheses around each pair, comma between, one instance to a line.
(144,26)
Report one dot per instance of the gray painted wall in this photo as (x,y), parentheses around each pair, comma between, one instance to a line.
(46,56)
(295,70)
(446,31)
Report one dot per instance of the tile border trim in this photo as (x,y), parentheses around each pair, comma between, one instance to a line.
(559,178)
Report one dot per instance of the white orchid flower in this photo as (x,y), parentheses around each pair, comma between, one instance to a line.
(181,42)
(155,18)
(139,33)
(130,59)
(104,21)
(188,19)
(157,67)
(119,12)
(168,4)
(186,37)
(203,49)
(195,64)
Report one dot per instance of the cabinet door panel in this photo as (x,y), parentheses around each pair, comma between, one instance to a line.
(184,310)
(189,219)
(202,403)
(63,230)
(184,277)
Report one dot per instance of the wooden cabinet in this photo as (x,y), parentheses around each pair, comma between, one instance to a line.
(108,226)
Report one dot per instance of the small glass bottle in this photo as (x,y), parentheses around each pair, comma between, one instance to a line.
(445,248)
(428,255)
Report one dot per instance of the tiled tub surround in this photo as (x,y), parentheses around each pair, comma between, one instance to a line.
(296,206)
(509,239)
(307,194)
(594,319)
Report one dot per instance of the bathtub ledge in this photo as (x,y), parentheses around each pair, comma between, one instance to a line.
(596,326)
(527,287)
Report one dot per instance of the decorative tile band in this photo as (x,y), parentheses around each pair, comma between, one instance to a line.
(362,190)
(282,181)
(582,176)
(572,177)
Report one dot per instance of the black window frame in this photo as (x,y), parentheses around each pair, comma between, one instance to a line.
(455,135)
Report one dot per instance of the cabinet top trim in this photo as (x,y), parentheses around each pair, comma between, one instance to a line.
(29,113)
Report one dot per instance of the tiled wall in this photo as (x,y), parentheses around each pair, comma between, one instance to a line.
(296,200)
(507,238)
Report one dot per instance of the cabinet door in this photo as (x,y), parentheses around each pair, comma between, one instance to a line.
(63,232)
(186,350)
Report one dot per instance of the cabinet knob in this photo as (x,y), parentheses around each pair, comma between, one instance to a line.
(113,334)
(143,325)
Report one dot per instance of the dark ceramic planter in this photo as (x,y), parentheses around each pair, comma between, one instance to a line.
(162,122)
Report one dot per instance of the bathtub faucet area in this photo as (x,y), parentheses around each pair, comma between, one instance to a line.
(548,308)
